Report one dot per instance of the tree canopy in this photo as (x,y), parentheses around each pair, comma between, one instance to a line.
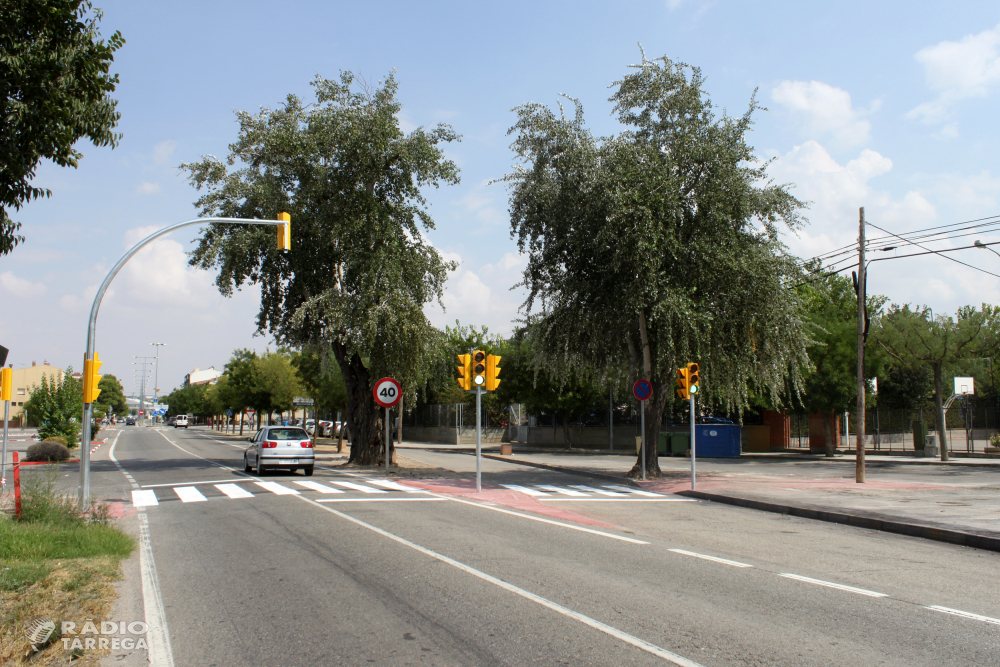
(55,89)
(55,406)
(360,270)
(658,246)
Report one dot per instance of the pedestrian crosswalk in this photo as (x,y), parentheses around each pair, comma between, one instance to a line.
(361,489)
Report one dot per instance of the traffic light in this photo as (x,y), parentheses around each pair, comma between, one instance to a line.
(693,379)
(465,371)
(492,371)
(285,232)
(683,383)
(91,378)
(479,368)
(6,380)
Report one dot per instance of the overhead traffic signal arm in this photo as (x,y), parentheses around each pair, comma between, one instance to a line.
(91,379)
(682,383)
(492,371)
(465,371)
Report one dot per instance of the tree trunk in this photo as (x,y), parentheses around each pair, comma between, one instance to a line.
(828,432)
(939,409)
(654,407)
(243,418)
(364,416)
(567,436)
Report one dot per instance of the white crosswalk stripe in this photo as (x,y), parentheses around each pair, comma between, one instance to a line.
(189,494)
(316,486)
(359,487)
(625,489)
(392,486)
(590,489)
(144,498)
(556,489)
(524,489)
(234,491)
(276,488)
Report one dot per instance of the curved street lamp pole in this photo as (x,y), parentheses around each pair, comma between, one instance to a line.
(284,241)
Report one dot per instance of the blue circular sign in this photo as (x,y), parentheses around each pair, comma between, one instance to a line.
(642,389)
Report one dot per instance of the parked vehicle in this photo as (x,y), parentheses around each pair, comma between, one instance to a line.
(279,448)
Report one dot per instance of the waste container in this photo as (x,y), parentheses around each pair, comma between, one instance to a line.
(717,440)
(662,440)
(919,434)
(680,443)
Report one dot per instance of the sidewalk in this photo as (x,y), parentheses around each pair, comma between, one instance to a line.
(957,501)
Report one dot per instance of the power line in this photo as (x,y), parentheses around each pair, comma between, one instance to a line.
(933,251)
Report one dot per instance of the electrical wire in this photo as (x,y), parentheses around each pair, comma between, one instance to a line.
(936,252)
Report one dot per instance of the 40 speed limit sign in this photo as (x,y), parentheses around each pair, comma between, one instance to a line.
(387,392)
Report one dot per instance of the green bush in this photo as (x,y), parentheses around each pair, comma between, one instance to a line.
(995,440)
(47,450)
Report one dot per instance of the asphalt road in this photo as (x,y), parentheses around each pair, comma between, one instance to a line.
(285,574)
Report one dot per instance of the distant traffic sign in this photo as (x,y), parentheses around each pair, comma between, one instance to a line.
(642,390)
(302,400)
(387,392)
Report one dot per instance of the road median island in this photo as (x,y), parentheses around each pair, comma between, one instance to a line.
(57,564)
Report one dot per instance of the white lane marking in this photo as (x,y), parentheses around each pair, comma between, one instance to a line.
(625,489)
(524,489)
(189,494)
(711,558)
(359,487)
(276,488)
(830,584)
(964,614)
(316,486)
(621,500)
(372,500)
(208,481)
(541,520)
(600,491)
(528,595)
(395,486)
(238,472)
(142,498)
(234,491)
(556,489)
(159,653)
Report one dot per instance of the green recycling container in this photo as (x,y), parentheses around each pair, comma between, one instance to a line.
(680,443)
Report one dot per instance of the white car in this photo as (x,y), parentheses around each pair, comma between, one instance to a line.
(279,448)
(181,421)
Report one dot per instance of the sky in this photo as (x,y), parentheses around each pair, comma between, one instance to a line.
(886,105)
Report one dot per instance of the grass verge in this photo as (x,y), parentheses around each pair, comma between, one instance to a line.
(58,563)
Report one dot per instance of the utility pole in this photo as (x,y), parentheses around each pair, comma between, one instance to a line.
(859,472)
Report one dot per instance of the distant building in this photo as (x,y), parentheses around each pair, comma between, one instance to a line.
(207,376)
(22,382)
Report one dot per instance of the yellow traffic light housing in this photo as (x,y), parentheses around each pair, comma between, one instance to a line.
(479,368)
(285,232)
(6,380)
(683,383)
(465,371)
(492,371)
(693,379)
(91,379)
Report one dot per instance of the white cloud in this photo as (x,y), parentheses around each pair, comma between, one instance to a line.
(482,207)
(481,297)
(825,111)
(147,188)
(957,71)
(19,287)
(163,151)
(160,273)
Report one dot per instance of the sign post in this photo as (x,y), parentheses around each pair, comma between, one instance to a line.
(387,394)
(642,390)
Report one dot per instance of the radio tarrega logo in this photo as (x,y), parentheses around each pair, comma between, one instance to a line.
(112,635)
(38,632)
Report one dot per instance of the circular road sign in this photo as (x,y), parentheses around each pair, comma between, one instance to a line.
(642,390)
(387,392)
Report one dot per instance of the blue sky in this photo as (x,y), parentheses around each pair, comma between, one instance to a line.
(885,105)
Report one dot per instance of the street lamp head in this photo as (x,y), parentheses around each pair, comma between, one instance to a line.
(979,244)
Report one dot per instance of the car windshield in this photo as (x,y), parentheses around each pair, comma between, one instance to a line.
(287,434)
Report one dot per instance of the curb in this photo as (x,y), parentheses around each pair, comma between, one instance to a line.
(985,542)
(572,471)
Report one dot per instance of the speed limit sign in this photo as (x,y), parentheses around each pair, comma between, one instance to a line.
(387,392)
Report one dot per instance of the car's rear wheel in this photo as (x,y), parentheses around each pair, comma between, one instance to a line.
(260,468)
(308,470)
(246,464)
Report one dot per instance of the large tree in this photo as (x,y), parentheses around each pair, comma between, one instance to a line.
(914,338)
(55,89)
(360,270)
(112,397)
(659,246)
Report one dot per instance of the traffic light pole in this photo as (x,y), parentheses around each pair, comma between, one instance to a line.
(479,439)
(691,408)
(92,327)
(3,461)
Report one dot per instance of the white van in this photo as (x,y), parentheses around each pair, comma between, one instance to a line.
(180,420)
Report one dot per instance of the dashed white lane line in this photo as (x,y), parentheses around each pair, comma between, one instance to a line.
(276,488)
(397,499)
(964,614)
(189,494)
(641,644)
(316,486)
(556,489)
(711,558)
(359,487)
(830,584)
(591,489)
(209,481)
(234,491)
(525,490)
(143,498)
